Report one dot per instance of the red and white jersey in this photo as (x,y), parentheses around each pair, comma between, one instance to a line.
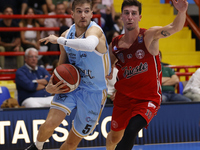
(139,73)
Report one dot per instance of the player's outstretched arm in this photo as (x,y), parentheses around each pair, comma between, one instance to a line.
(153,34)
(177,24)
(86,44)
(50,38)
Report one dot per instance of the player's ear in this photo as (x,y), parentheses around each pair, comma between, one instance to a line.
(72,14)
(140,17)
(92,13)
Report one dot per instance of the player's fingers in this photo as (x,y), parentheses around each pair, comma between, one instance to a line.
(109,76)
(174,1)
(51,79)
(64,86)
(42,40)
(47,41)
(66,90)
(58,84)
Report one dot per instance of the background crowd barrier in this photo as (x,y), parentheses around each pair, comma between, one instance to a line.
(185,71)
(6,29)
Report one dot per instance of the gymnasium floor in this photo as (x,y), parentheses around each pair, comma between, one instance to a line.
(170,146)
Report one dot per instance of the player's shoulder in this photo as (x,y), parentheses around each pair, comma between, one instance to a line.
(64,33)
(94,30)
(153,29)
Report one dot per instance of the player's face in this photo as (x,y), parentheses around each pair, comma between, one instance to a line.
(131,17)
(82,15)
(32,59)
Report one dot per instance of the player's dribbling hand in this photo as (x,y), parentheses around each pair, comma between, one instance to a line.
(57,88)
(50,38)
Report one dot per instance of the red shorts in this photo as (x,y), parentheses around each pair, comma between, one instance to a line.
(125,108)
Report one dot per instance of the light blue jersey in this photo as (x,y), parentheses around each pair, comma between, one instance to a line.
(90,97)
(93,66)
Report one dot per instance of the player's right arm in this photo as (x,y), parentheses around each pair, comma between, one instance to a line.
(63,55)
(113,59)
(89,43)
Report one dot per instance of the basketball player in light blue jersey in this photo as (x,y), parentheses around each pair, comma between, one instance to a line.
(83,45)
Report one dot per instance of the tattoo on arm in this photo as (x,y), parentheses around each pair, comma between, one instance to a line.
(165,33)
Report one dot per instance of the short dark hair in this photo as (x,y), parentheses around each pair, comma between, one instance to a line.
(131,3)
(77,2)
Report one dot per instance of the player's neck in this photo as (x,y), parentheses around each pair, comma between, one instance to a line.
(80,36)
(80,32)
(130,36)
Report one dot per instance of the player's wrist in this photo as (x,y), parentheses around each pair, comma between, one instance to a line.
(61,40)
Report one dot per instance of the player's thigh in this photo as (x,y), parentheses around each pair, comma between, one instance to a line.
(65,102)
(89,108)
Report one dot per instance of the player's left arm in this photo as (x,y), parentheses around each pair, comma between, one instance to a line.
(153,34)
(177,24)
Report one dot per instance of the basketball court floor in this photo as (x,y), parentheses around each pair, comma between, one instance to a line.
(170,146)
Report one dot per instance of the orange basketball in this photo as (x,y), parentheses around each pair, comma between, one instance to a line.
(69,74)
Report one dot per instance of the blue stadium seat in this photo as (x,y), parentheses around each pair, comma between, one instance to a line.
(4,95)
(181,88)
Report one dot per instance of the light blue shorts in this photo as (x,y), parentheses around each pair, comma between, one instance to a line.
(89,106)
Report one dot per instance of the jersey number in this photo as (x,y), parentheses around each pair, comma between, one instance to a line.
(87,129)
(148,114)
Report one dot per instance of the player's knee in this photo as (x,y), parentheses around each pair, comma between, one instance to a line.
(132,131)
(114,138)
(71,144)
(135,125)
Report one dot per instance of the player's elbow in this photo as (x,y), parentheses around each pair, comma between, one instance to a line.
(91,43)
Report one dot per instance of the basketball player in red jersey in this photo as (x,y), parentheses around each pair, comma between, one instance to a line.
(138,95)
